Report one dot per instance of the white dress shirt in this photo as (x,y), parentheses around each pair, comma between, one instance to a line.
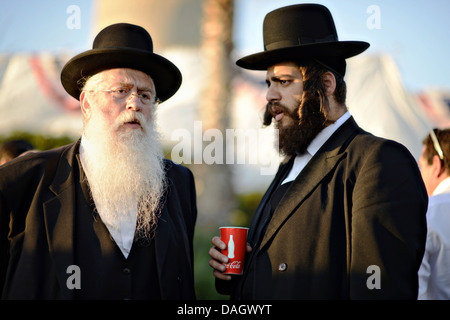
(302,160)
(434,273)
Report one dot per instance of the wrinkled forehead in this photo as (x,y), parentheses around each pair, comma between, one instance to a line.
(284,69)
(123,76)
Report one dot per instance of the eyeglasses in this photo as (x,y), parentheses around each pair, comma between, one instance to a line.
(436,144)
(121,93)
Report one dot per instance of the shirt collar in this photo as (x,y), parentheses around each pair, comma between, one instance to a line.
(443,187)
(325,134)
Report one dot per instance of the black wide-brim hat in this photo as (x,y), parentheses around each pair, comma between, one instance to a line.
(122,45)
(298,32)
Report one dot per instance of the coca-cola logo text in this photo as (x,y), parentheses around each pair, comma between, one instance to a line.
(233,265)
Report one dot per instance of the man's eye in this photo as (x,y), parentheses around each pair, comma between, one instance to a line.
(145,95)
(122,90)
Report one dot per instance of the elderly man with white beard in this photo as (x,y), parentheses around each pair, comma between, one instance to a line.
(106,217)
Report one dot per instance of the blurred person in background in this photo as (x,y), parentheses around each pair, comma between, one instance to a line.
(12,149)
(434,273)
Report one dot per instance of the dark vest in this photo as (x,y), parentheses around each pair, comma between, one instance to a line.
(105,272)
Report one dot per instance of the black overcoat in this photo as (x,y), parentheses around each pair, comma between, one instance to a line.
(351,226)
(37,211)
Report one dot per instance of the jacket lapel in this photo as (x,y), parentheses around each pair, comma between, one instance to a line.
(259,211)
(59,213)
(162,241)
(162,236)
(171,237)
(325,160)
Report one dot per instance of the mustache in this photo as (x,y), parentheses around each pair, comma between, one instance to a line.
(273,108)
(130,117)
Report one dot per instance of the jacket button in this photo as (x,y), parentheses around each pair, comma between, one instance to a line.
(282,267)
(126,270)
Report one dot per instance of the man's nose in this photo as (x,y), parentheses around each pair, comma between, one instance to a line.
(134,102)
(273,94)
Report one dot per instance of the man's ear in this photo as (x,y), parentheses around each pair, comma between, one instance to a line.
(85,106)
(329,82)
(438,168)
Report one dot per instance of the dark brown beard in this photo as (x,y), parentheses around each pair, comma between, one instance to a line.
(295,138)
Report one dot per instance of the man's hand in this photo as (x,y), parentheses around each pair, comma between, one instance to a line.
(218,259)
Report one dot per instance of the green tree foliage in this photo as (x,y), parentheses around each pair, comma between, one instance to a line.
(39,141)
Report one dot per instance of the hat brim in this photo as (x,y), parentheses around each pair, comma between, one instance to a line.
(166,76)
(265,59)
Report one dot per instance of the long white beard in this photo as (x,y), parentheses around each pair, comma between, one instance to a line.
(125,172)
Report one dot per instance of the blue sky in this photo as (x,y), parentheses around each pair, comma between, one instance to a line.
(415,32)
(35,26)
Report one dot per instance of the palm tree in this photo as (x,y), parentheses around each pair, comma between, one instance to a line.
(216,200)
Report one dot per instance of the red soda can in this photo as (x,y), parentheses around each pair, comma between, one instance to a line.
(236,240)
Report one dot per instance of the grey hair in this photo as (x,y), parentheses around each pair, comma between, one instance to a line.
(89,82)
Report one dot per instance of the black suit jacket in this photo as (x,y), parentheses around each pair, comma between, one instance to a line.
(37,211)
(359,202)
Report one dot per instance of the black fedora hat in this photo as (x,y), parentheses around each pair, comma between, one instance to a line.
(304,31)
(122,45)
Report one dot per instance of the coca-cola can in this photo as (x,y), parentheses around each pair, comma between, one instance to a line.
(236,240)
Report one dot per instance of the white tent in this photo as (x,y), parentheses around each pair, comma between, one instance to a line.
(380,104)
(436,103)
(32,98)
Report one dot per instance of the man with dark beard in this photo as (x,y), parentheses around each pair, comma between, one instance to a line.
(106,217)
(344,217)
